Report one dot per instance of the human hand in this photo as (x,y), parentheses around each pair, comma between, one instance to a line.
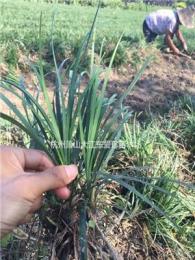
(24,176)
(184,55)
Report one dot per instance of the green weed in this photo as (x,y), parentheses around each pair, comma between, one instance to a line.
(151,154)
(77,127)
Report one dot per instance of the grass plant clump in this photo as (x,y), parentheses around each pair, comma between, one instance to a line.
(76,126)
(158,161)
(187,125)
(82,125)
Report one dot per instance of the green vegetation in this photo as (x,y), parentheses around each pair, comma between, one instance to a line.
(20,21)
(149,146)
(149,189)
(139,171)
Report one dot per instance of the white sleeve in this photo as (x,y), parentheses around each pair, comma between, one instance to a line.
(170,26)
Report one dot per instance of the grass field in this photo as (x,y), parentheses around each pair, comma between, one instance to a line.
(20,22)
(135,201)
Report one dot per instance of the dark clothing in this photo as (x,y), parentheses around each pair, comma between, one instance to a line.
(149,35)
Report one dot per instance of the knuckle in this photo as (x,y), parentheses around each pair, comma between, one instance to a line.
(43,153)
(44,161)
(60,174)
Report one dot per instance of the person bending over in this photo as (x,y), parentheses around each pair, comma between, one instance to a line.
(25,174)
(167,22)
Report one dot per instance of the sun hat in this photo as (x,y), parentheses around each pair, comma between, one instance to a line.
(187,16)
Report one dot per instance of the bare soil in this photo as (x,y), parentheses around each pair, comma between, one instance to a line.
(166,79)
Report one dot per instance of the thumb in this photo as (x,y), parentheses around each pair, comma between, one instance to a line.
(50,179)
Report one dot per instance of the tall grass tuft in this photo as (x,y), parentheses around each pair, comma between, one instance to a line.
(77,125)
(152,155)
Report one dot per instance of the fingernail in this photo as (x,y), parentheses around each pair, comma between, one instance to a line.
(71,171)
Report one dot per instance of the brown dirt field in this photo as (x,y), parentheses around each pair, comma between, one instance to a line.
(165,80)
